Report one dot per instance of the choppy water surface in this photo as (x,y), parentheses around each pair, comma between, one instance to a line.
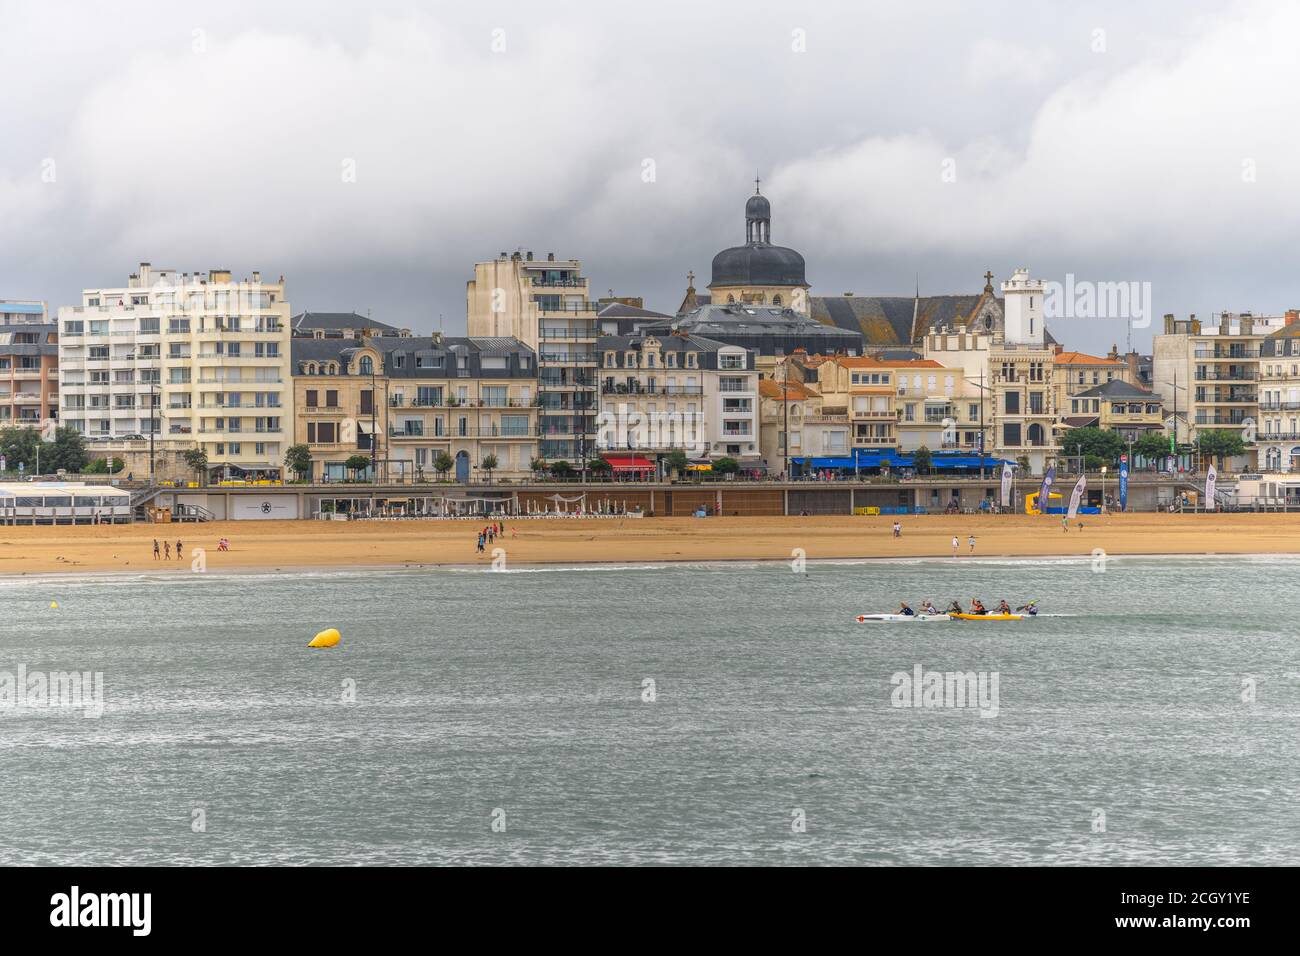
(519,696)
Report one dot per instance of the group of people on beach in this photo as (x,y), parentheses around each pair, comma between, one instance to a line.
(167,550)
(490,533)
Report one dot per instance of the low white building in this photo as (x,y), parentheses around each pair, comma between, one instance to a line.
(62,502)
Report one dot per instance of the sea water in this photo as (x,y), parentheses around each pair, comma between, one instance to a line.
(730,713)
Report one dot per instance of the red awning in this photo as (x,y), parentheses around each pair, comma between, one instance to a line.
(631,463)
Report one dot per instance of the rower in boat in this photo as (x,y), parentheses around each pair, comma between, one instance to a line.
(905,610)
(977,607)
(1031,608)
(1004,607)
(954,607)
(928,607)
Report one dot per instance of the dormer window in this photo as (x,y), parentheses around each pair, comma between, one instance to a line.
(672,359)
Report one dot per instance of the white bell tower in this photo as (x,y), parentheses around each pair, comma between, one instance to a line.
(1023,309)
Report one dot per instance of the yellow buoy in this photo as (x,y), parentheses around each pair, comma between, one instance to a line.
(327,638)
(54,605)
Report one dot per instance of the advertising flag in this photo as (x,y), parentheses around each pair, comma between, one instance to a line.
(1045,492)
(1077,496)
(1123,483)
(1006,484)
(1210,477)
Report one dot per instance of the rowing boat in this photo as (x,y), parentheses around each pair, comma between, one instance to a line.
(900,618)
(989,617)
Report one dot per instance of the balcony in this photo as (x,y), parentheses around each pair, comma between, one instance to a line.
(1227,354)
(493,431)
(542,282)
(568,358)
(561,308)
(1225,375)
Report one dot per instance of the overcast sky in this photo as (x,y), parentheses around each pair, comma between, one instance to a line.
(1116,141)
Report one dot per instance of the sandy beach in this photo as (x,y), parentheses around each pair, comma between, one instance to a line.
(316,544)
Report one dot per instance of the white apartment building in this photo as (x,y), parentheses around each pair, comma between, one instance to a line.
(660,393)
(195,359)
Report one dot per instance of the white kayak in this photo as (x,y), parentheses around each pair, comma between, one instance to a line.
(900,618)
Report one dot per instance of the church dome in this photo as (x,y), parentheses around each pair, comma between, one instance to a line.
(758,207)
(758,262)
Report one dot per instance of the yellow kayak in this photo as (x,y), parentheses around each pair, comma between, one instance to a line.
(988,617)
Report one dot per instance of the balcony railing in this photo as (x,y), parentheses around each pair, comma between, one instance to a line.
(546,307)
(1226,353)
(621,388)
(1215,375)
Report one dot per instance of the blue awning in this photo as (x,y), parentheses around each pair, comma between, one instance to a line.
(865,459)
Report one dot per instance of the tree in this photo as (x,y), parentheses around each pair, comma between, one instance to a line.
(104,466)
(443,463)
(66,452)
(676,460)
(1221,443)
(489,465)
(599,466)
(297,458)
(357,463)
(923,459)
(196,460)
(19,445)
(561,469)
(1153,446)
(1093,443)
(726,466)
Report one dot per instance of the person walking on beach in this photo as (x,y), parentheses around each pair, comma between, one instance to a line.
(155,549)
(1065,523)
(971,539)
(956,546)
(898,530)
(167,550)
(179,556)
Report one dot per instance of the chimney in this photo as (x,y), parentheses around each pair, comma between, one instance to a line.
(1169,323)
(257,276)
(530,255)
(1247,323)
(1114,352)
(1292,317)
(550,257)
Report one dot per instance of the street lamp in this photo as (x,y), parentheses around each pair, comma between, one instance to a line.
(1103,489)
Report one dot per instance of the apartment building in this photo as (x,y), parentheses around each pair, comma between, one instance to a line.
(195,359)
(1208,378)
(29,364)
(1277,435)
(1115,406)
(1077,372)
(660,393)
(402,402)
(546,305)
(793,409)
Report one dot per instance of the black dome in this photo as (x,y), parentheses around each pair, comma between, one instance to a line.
(758,264)
(758,208)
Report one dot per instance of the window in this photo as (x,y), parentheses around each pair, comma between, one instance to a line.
(366,366)
(311,397)
(1012,404)
(332,398)
(1011,434)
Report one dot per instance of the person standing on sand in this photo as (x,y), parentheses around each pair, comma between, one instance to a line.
(898,530)
(971,539)
(155,549)
(956,546)
(167,550)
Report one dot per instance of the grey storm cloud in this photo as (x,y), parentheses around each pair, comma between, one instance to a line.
(373,153)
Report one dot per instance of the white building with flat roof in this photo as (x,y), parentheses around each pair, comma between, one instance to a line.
(196,358)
